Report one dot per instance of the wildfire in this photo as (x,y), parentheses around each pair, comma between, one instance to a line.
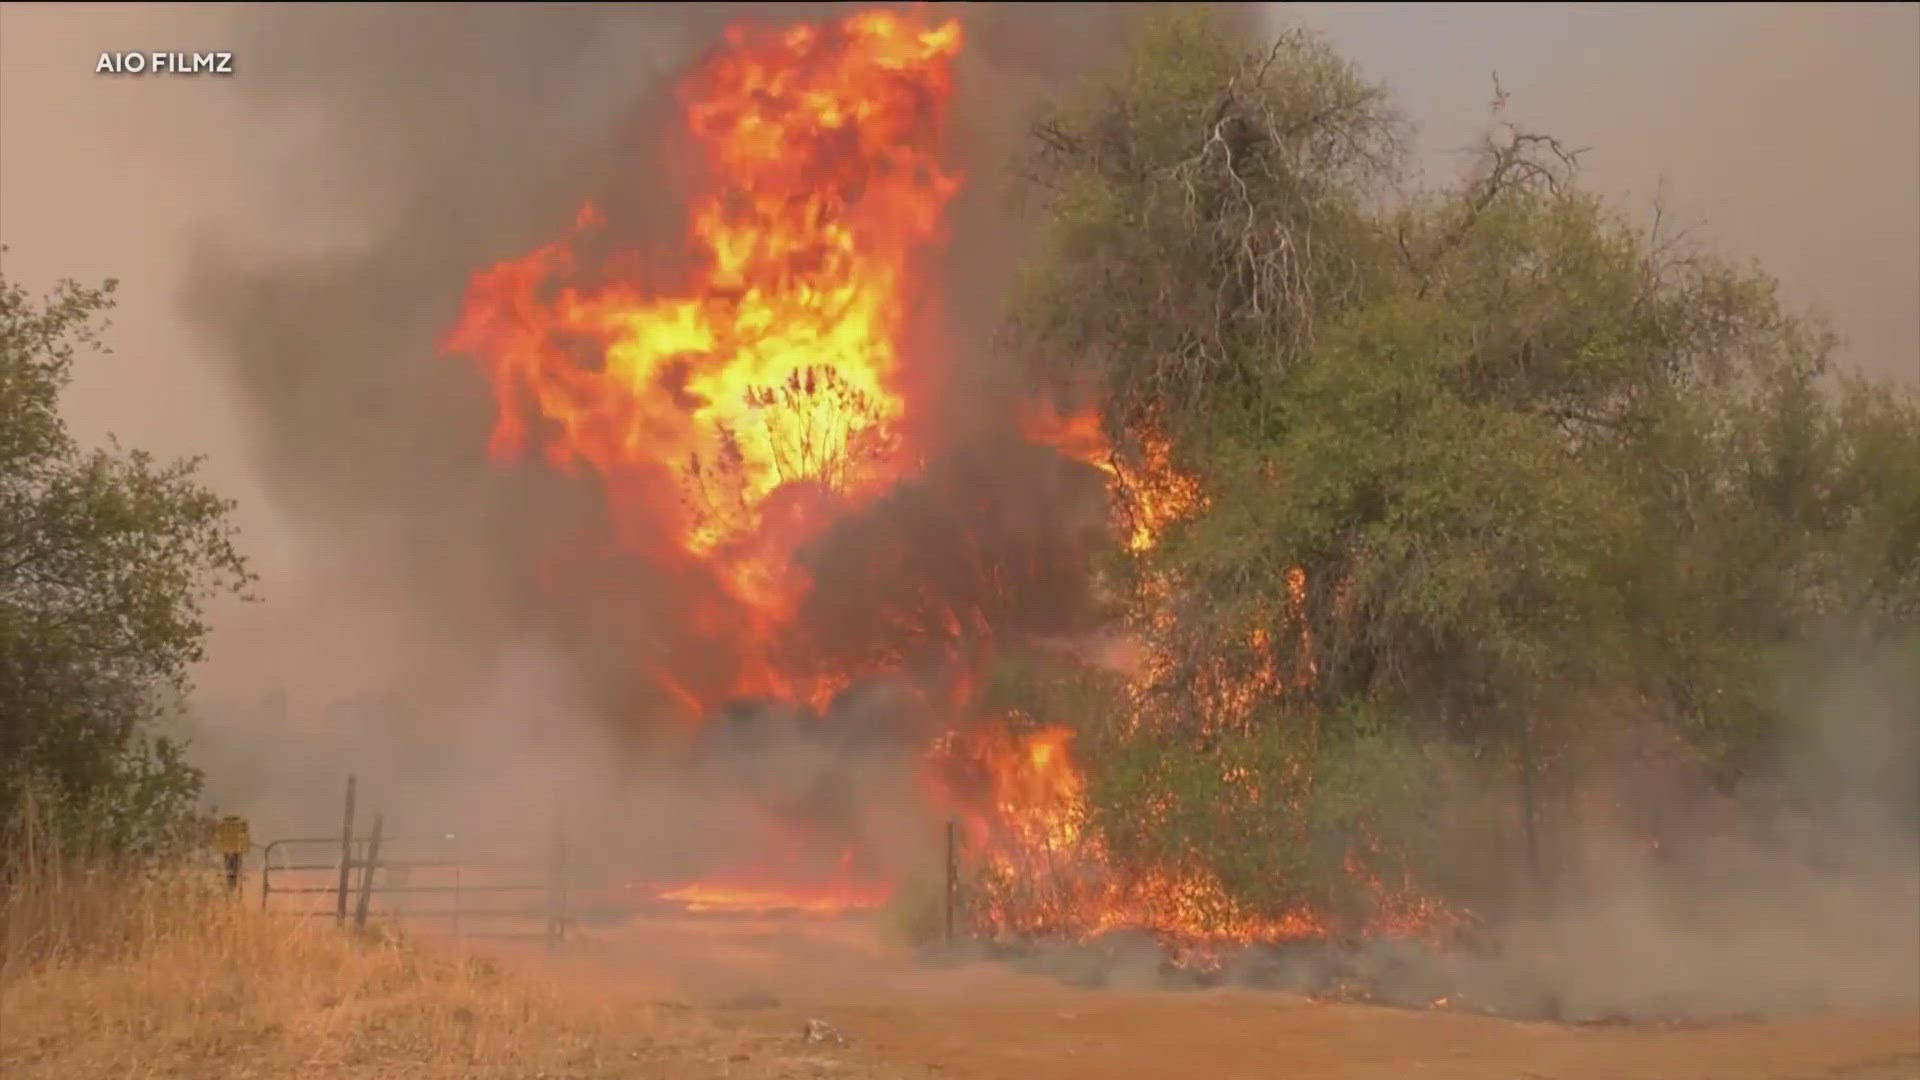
(735,404)
(839,892)
(1020,798)
(729,414)
(707,897)
(1149,495)
(1018,788)
(1045,872)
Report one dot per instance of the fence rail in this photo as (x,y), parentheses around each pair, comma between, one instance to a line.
(360,871)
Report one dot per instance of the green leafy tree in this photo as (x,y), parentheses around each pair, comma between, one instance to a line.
(106,558)
(1499,475)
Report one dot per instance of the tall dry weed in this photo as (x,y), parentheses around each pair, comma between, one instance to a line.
(110,968)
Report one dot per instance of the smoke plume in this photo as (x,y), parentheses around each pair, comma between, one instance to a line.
(428,655)
(445,646)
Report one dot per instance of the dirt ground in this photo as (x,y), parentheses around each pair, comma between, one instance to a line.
(1083,1035)
(987,1022)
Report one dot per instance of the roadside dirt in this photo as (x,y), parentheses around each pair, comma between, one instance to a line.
(1083,1035)
(988,1022)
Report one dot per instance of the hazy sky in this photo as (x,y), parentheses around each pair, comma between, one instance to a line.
(1792,132)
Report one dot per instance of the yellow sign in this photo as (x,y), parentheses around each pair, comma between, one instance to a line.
(231,835)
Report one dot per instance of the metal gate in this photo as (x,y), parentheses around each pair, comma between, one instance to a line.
(445,882)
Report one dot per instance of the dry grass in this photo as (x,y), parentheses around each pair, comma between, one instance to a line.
(132,977)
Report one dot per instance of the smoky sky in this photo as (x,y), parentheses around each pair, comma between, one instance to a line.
(295,240)
(455,137)
(368,158)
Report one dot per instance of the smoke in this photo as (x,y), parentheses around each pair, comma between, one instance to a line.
(442,648)
(1787,133)
(1673,900)
(1679,895)
(1795,893)
(414,643)
(1799,891)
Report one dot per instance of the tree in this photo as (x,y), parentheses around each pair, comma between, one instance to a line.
(1492,475)
(106,558)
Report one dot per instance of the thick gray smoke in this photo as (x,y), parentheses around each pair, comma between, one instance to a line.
(439,664)
(449,138)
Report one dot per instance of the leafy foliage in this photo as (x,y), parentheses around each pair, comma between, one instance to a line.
(1500,474)
(106,558)
(1208,209)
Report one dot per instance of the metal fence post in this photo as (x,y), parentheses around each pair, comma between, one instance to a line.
(459,898)
(346,855)
(367,870)
(557,885)
(953,875)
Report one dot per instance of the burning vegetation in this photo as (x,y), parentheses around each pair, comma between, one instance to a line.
(736,415)
(1348,511)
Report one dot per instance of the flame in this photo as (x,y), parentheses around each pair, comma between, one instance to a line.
(1045,872)
(737,403)
(1149,494)
(711,897)
(842,891)
(731,414)
(1034,828)
(776,362)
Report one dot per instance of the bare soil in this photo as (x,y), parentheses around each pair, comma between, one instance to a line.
(1083,1035)
(989,1022)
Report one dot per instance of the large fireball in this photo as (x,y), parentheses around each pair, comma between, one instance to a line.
(775,364)
(743,413)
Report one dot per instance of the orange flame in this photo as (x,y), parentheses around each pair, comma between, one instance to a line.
(1149,495)
(766,384)
(711,897)
(762,392)
(840,892)
(1046,872)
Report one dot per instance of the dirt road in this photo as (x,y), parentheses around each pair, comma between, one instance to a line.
(1084,1035)
(986,1022)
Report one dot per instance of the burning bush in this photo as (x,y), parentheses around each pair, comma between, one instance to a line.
(1392,496)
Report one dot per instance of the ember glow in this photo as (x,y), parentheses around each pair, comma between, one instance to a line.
(744,892)
(707,897)
(737,410)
